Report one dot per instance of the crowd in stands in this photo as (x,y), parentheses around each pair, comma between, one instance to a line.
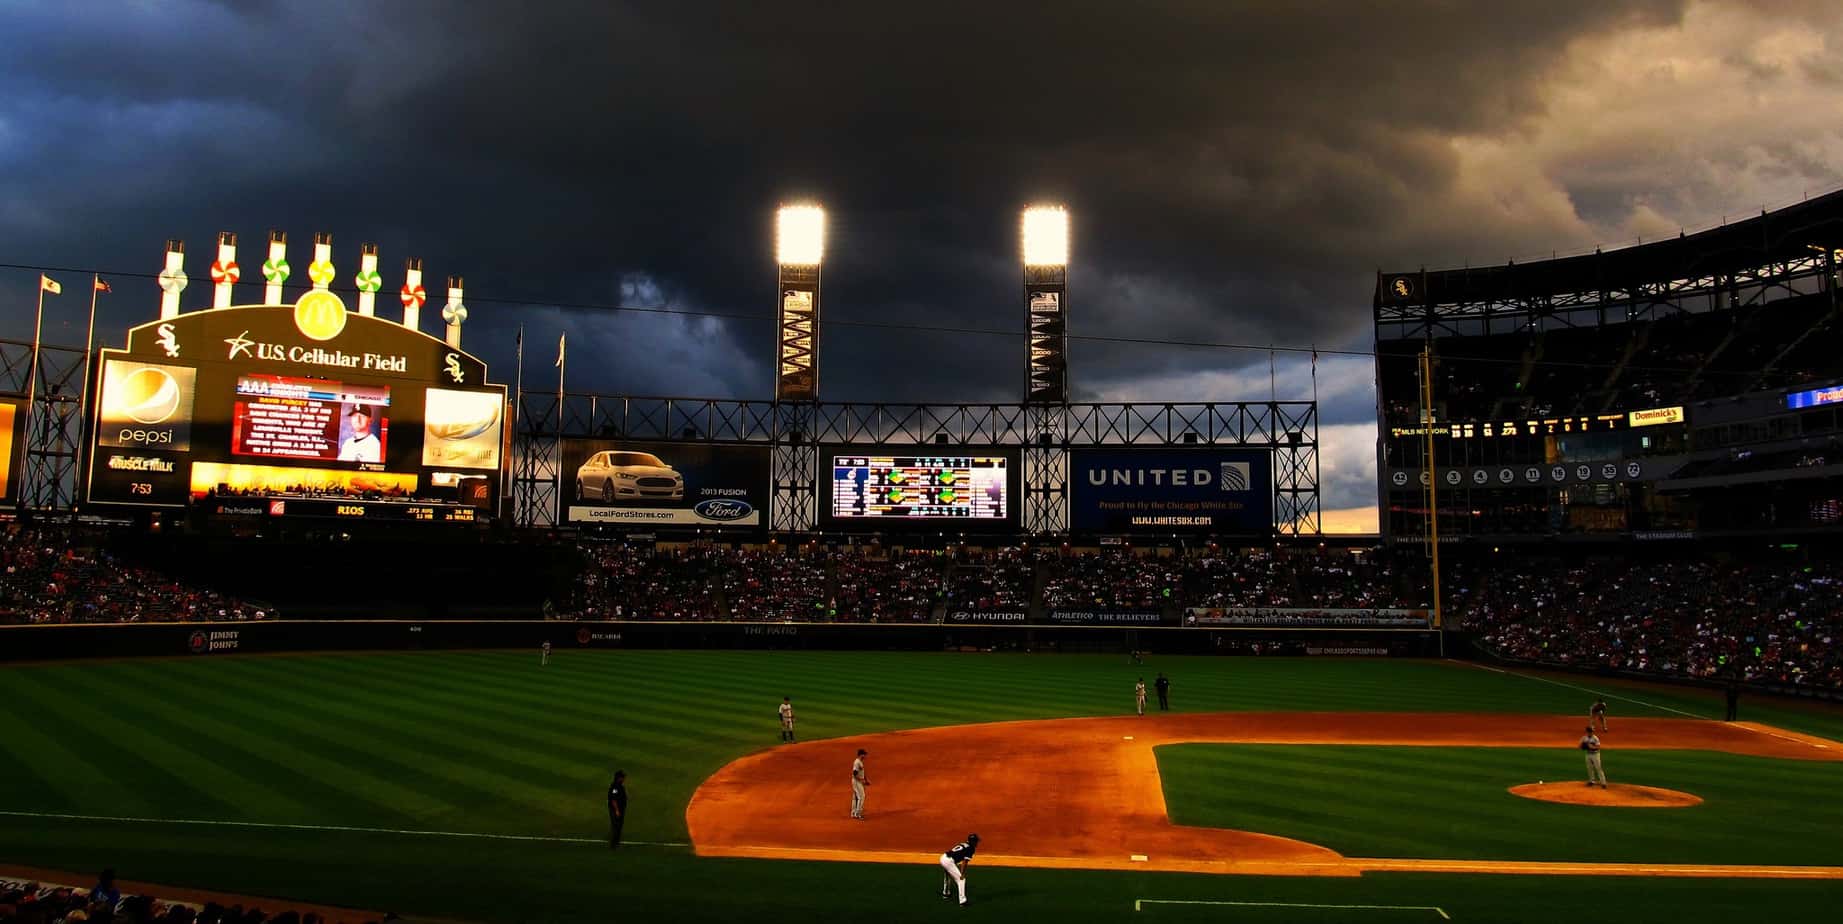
(1708,619)
(706,582)
(895,589)
(1111,579)
(1283,577)
(59,575)
(994,580)
(29,902)
(1703,616)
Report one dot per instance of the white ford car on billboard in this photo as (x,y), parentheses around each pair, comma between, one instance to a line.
(617,475)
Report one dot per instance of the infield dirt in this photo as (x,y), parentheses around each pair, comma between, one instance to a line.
(1085,793)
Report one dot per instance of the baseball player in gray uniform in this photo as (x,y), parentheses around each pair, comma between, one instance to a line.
(1590,743)
(859,780)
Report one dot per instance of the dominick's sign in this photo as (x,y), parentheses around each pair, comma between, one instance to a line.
(1655,416)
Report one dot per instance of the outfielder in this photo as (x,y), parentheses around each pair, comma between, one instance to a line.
(953,866)
(1139,695)
(859,780)
(1591,744)
(546,660)
(787,718)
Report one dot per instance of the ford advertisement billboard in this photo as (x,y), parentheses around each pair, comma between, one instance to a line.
(629,483)
(1166,490)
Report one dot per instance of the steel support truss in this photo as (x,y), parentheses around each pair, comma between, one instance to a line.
(1769,281)
(1044,433)
(48,476)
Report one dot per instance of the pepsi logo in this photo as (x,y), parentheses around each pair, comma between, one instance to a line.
(149,395)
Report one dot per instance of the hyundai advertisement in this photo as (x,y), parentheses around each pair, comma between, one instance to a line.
(629,483)
(1159,490)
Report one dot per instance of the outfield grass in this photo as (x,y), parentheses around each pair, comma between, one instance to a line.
(489,742)
(1451,803)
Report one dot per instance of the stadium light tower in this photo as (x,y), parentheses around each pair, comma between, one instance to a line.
(1045,238)
(799,248)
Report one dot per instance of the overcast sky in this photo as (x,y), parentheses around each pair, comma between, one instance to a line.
(1237,172)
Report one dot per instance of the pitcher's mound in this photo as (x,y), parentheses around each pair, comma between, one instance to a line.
(1623,795)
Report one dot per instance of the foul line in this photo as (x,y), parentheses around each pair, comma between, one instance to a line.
(279,826)
(1584,689)
(1139,903)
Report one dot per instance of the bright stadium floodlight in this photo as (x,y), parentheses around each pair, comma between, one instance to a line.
(800,235)
(1046,236)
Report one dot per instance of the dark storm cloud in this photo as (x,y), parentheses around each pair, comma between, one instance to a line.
(1237,171)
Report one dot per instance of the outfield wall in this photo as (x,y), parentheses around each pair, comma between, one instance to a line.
(21,643)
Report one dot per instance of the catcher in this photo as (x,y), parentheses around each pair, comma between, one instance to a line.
(953,866)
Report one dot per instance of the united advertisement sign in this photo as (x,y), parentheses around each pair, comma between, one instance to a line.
(1154,490)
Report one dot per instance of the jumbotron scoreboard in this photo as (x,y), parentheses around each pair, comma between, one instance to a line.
(969,487)
(267,411)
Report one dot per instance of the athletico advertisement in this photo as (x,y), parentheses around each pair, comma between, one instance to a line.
(1107,618)
(1154,490)
(623,482)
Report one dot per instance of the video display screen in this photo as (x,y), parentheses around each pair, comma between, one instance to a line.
(235,405)
(952,489)
(278,416)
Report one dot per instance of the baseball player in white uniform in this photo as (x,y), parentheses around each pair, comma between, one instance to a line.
(859,780)
(1139,695)
(1590,743)
(546,660)
(787,718)
(953,866)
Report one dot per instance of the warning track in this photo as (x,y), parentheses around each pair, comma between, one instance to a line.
(1085,793)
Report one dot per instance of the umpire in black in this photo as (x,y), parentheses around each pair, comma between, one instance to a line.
(617,808)
(1163,685)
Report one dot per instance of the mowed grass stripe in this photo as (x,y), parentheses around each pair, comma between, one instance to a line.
(444,752)
(449,768)
(37,739)
(215,735)
(1452,803)
(152,752)
(317,748)
(407,707)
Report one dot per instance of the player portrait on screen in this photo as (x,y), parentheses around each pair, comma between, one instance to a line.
(358,442)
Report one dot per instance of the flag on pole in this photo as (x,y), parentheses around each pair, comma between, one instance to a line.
(560,339)
(102,285)
(48,284)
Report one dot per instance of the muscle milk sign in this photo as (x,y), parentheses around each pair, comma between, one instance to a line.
(1156,489)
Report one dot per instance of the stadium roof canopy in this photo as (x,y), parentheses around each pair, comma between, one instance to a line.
(1777,254)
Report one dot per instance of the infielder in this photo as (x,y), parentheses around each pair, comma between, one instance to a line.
(1591,744)
(859,780)
(953,866)
(1597,715)
(1139,695)
(546,660)
(787,718)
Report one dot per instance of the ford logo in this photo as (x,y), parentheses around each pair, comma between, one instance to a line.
(723,510)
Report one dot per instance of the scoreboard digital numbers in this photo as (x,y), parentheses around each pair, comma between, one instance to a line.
(970,487)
